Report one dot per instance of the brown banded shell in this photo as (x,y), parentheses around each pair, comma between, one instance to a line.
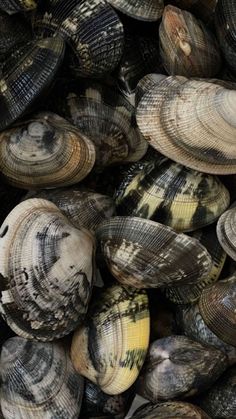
(110,348)
(225,24)
(46,271)
(177,366)
(172,194)
(191,293)
(218,309)
(16,6)
(167,410)
(26,74)
(146,254)
(220,401)
(187,47)
(149,10)
(191,324)
(38,381)
(226,232)
(45,151)
(84,209)
(166,112)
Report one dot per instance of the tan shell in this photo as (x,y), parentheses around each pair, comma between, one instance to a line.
(167,410)
(45,151)
(226,232)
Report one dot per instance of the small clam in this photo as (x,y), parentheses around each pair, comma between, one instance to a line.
(146,254)
(46,271)
(168,410)
(172,194)
(110,348)
(16,6)
(187,47)
(45,151)
(219,401)
(149,10)
(218,309)
(225,23)
(226,232)
(26,74)
(177,366)
(38,381)
(166,112)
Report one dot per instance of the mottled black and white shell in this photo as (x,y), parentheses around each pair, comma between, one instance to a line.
(46,268)
(38,381)
(167,410)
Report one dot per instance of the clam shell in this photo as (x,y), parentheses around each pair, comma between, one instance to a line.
(149,10)
(220,400)
(146,83)
(45,151)
(218,309)
(46,271)
(92,29)
(84,209)
(110,348)
(166,112)
(177,366)
(191,324)
(16,6)
(225,24)
(226,232)
(146,254)
(167,410)
(172,194)
(25,74)
(187,47)
(204,9)
(191,293)
(38,381)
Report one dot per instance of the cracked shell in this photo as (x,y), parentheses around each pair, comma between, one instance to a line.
(169,410)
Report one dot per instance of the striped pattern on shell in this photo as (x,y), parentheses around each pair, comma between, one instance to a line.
(226,232)
(16,6)
(225,24)
(167,410)
(149,10)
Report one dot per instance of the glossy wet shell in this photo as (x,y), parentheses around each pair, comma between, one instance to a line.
(226,30)
(191,324)
(149,10)
(110,348)
(170,410)
(85,209)
(15,6)
(218,308)
(172,194)
(45,151)
(187,47)
(38,381)
(219,401)
(177,366)
(92,28)
(166,112)
(46,271)
(26,74)
(226,232)
(146,254)
(191,293)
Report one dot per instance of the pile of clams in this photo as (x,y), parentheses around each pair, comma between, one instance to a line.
(117,209)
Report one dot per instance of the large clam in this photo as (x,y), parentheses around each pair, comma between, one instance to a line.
(110,348)
(149,10)
(167,410)
(38,381)
(46,271)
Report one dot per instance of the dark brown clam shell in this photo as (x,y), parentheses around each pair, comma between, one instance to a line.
(149,10)
(167,410)
(225,23)
(16,6)
(177,366)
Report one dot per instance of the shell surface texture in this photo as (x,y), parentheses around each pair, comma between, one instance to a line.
(45,151)
(111,347)
(167,410)
(149,10)
(146,254)
(16,6)
(46,271)
(38,381)
(225,24)
(226,232)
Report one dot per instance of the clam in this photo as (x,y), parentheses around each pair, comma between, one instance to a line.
(146,254)
(166,112)
(172,194)
(25,74)
(110,348)
(191,323)
(146,83)
(226,232)
(46,271)
(187,47)
(177,366)
(191,293)
(16,6)
(218,309)
(45,151)
(38,381)
(84,209)
(107,118)
(92,29)
(147,10)
(167,410)
(220,400)
(225,24)
(13,32)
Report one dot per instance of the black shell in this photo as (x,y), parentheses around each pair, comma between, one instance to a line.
(225,23)
(16,6)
